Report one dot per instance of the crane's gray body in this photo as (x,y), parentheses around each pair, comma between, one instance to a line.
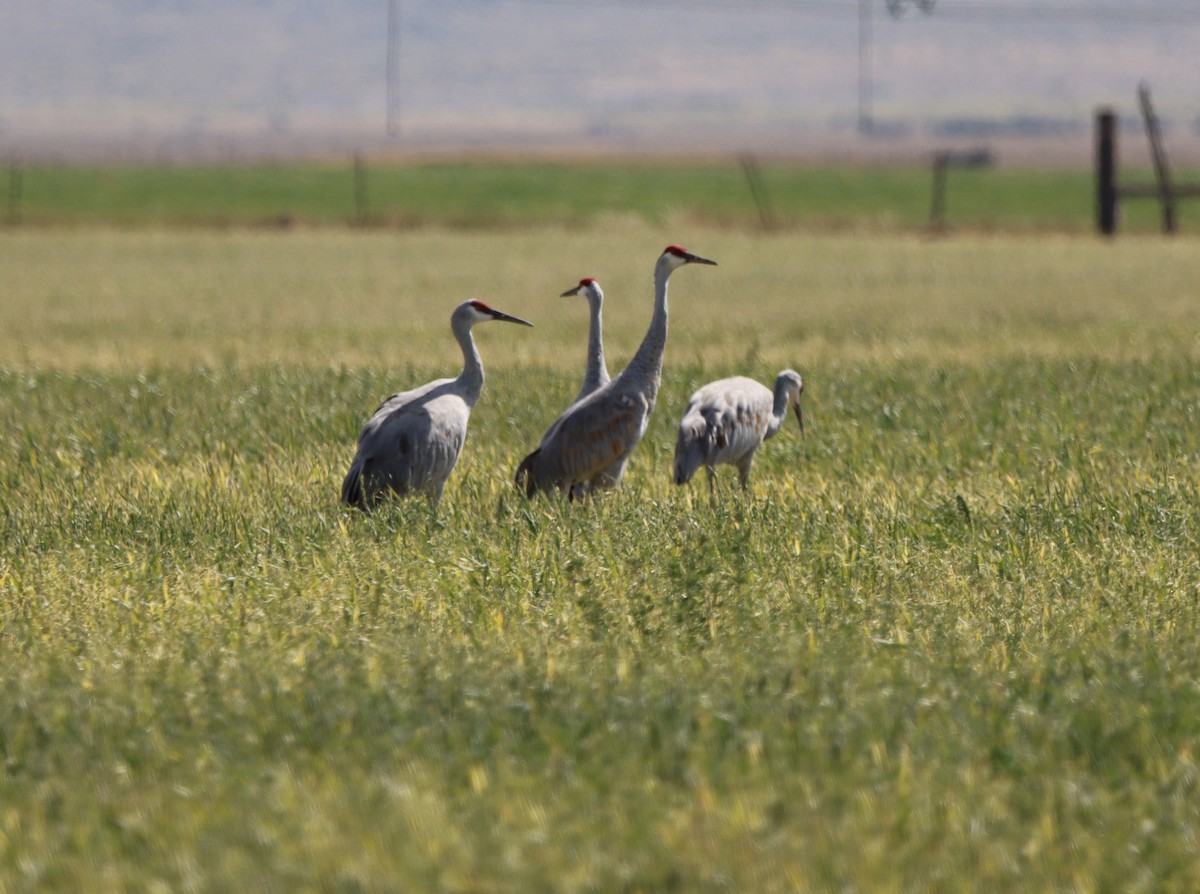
(592,441)
(727,421)
(411,444)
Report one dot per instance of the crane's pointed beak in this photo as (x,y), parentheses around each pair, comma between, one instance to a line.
(499,315)
(799,418)
(696,259)
(569,292)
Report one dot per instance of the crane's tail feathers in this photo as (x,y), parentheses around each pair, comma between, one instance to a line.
(525,471)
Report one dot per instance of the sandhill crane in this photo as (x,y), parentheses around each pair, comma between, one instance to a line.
(411,443)
(592,441)
(596,373)
(727,421)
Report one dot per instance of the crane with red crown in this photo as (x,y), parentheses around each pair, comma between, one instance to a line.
(411,444)
(590,444)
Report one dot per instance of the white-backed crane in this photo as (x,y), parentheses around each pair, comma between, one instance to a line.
(411,443)
(726,422)
(592,441)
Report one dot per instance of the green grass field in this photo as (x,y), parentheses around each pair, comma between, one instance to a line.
(473,194)
(949,643)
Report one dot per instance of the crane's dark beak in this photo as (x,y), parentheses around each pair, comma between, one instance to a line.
(696,259)
(499,315)
(799,417)
(569,292)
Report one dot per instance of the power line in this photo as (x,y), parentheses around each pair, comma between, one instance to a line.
(393,68)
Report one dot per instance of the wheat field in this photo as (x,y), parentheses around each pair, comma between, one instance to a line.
(948,642)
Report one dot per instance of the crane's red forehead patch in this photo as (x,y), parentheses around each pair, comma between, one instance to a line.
(587,281)
(480,306)
(677,250)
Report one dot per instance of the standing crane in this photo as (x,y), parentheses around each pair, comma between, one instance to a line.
(727,421)
(596,373)
(411,443)
(592,441)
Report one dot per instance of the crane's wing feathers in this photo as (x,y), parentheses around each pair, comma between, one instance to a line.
(411,443)
(402,399)
(590,437)
(728,419)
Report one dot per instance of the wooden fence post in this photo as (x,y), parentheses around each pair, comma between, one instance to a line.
(1106,171)
(943,160)
(360,189)
(1162,170)
(937,206)
(757,190)
(15,188)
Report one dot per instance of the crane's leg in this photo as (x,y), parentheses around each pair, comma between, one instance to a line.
(711,478)
(610,477)
(744,473)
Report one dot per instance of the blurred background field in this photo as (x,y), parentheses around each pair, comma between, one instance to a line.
(333,298)
(468,192)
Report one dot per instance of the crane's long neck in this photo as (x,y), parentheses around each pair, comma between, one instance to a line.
(597,372)
(645,368)
(470,380)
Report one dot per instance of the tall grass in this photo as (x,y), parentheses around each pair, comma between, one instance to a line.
(948,643)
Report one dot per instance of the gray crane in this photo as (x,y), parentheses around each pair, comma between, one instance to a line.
(727,421)
(411,443)
(596,373)
(592,441)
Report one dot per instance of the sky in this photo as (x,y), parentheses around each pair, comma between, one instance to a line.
(156,76)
